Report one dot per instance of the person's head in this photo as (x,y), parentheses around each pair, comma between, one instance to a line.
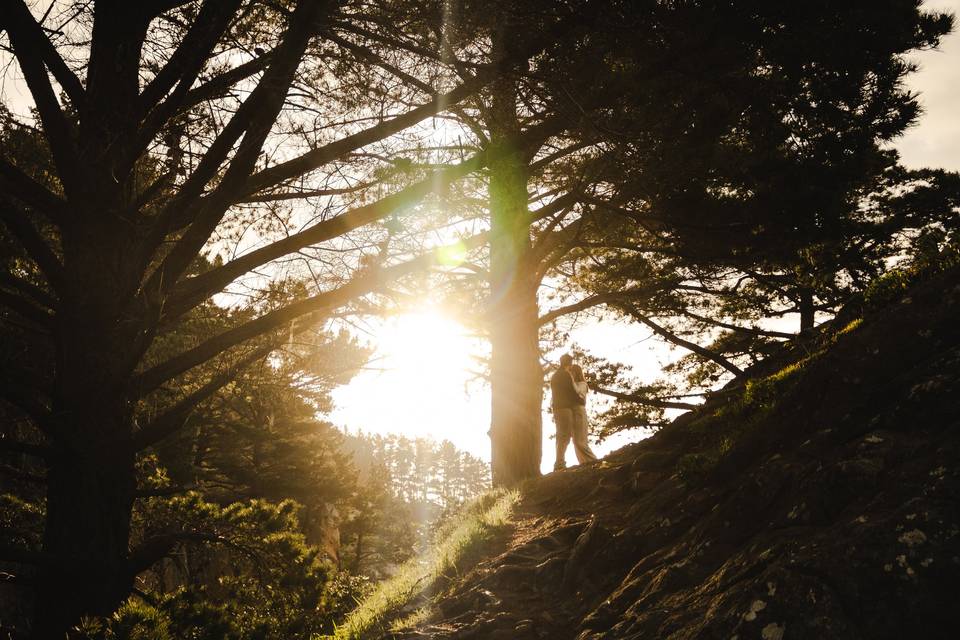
(577,372)
(566,360)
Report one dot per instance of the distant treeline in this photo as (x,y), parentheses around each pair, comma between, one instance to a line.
(420,469)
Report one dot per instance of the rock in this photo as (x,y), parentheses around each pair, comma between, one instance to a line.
(549,573)
(583,549)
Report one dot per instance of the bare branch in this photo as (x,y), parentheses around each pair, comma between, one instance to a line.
(196,289)
(253,122)
(322,155)
(739,329)
(20,19)
(30,192)
(323,302)
(23,32)
(182,70)
(640,398)
(191,54)
(677,340)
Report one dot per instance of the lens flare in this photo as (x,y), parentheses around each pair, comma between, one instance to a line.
(452,255)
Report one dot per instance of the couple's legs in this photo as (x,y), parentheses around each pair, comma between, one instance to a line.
(563,418)
(572,423)
(580,444)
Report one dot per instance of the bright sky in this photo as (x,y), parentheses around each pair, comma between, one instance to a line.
(421,386)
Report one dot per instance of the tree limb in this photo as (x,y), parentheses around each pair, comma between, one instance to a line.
(362,284)
(176,416)
(33,243)
(26,309)
(185,63)
(198,288)
(182,69)
(28,289)
(642,399)
(686,344)
(316,158)
(21,555)
(253,121)
(26,40)
(582,305)
(19,185)
(20,19)
(20,474)
(738,329)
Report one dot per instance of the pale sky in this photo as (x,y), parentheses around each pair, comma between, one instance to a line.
(431,395)
(935,140)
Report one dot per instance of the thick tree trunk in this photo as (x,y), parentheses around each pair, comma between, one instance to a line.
(516,386)
(807,311)
(89,501)
(516,378)
(91,476)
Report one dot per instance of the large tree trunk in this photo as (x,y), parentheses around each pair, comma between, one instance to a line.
(89,501)
(516,378)
(808,314)
(516,384)
(91,478)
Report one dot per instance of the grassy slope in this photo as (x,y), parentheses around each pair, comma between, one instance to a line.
(403,600)
(819,501)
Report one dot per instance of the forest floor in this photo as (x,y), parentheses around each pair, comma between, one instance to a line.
(819,500)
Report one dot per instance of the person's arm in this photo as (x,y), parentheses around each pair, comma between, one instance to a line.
(576,396)
(583,389)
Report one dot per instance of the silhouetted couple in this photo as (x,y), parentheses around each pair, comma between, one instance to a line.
(568,392)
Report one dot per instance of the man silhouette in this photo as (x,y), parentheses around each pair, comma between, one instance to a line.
(563,398)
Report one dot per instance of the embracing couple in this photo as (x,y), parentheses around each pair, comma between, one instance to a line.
(568,391)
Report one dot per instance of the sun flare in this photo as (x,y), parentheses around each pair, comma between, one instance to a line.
(420,382)
(426,345)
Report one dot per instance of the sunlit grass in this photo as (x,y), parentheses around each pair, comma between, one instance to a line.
(474,524)
(419,616)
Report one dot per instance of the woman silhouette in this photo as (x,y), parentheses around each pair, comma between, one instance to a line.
(580,421)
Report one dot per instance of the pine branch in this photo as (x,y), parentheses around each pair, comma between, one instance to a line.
(639,398)
(686,344)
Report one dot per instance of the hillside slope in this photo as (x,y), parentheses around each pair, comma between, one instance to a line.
(818,502)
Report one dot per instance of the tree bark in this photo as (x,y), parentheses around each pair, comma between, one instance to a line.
(516,378)
(807,310)
(91,475)
(89,503)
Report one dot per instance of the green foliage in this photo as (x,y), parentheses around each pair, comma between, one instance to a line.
(762,394)
(248,573)
(742,414)
(693,467)
(20,521)
(891,286)
(887,288)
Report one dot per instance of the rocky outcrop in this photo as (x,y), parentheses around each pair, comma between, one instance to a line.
(819,502)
